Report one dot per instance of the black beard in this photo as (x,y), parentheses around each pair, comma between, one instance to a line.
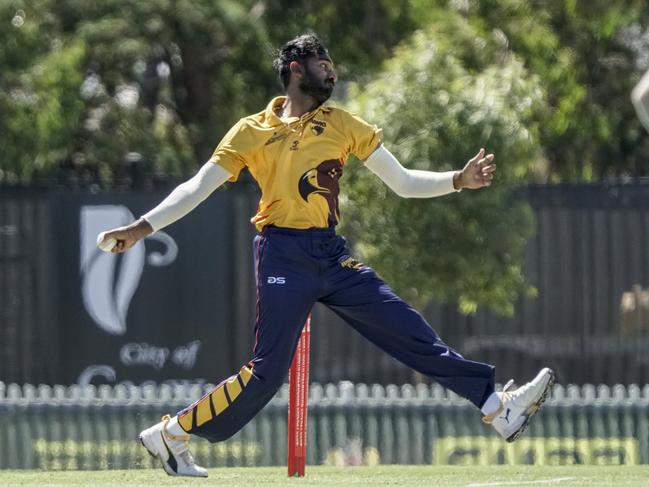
(320,90)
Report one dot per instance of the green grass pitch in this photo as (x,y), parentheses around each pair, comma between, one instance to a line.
(398,475)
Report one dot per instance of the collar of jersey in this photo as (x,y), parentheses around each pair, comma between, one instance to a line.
(272,119)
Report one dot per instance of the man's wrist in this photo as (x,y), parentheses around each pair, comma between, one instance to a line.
(141,228)
(457,180)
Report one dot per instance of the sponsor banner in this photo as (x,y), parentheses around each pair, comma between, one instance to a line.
(158,311)
(96,454)
(103,455)
(476,450)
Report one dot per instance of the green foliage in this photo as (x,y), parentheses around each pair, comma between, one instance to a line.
(99,85)
(39,102)
(198,66)
(436,111)
(177,59)
(588,128)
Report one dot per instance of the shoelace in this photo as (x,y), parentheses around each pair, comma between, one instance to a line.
(506,395)
(182,449)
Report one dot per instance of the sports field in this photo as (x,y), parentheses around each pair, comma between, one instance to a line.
(573,476)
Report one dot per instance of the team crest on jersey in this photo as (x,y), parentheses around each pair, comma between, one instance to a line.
(318,126)
(323,180)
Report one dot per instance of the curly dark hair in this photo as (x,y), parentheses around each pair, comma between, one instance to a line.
(297,49)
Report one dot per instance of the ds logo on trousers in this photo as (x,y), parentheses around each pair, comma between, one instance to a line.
(276,280)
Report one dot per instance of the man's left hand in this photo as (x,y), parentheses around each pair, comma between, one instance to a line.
(478,172)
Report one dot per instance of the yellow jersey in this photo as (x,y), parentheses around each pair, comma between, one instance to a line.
(297,163)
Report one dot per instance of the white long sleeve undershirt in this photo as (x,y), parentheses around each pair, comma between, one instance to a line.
(409,183)
(187,196)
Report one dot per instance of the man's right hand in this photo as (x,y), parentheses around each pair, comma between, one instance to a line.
(129,235)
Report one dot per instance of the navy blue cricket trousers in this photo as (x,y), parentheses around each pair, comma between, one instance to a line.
(295,269)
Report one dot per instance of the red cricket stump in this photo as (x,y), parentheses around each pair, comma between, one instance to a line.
(298,396)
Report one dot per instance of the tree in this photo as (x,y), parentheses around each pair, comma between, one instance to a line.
(40,110)
(154,85)
(587,68)
(164,78)
(436,110)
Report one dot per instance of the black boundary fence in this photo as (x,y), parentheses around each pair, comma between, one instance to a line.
(181,308)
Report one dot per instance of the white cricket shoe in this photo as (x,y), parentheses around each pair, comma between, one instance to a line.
(519,405)
(172,450)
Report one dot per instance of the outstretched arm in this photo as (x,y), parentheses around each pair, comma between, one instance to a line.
(413,183)
(183,199)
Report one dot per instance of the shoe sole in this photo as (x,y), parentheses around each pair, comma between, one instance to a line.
(534,409)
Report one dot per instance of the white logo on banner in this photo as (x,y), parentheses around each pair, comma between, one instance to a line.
(89,373)
(107,291)
(139,354)
(183,356)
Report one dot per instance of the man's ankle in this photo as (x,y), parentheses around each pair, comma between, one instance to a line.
(492,406)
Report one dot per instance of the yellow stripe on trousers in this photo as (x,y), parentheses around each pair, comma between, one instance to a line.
(186,420)
(218,399)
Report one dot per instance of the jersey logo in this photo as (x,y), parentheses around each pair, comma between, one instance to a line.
(276,137)
(323,180)
(294,145)
(318,126)
(276,280)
